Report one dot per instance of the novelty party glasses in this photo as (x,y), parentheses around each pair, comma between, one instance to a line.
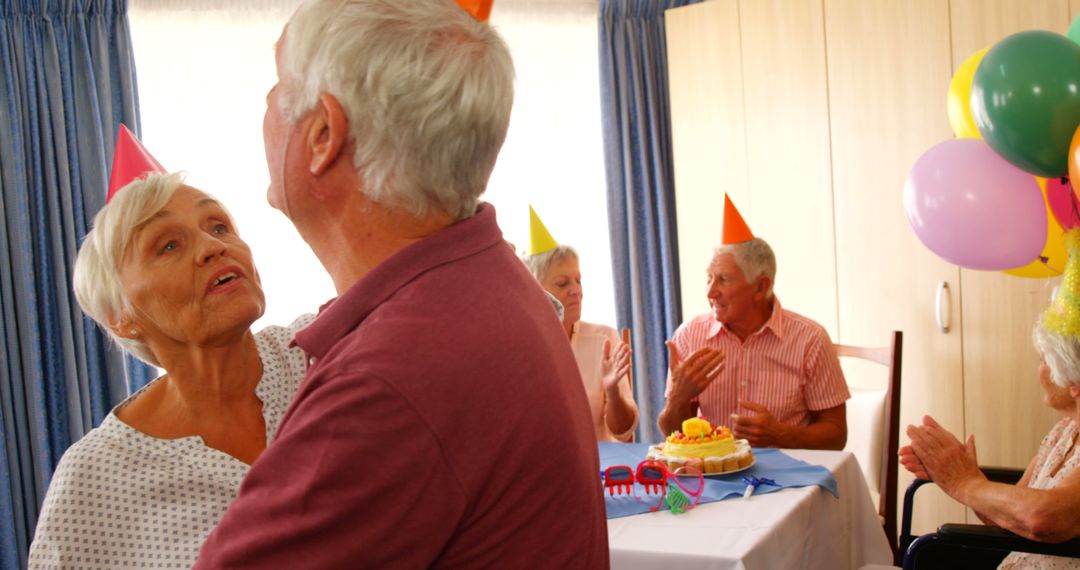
(684,492)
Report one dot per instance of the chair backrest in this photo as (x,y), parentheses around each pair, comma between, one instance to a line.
(875,413)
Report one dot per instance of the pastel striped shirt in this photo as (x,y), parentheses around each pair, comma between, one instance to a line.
(789,366)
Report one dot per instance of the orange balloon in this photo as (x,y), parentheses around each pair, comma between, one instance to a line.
(480,9)
(1074,162)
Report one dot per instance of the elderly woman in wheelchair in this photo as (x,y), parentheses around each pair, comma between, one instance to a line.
(1045,504)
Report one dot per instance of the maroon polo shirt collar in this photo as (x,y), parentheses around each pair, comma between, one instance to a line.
(341,315)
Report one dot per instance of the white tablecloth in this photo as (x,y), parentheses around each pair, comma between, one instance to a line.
(793,528)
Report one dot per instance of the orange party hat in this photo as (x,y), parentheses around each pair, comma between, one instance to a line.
(735,228)
(479,9)
(131,161)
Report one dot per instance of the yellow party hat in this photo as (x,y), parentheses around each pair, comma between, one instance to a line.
(540,239)
(1063,316)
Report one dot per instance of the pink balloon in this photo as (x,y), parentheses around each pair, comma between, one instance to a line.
(1063,201)
(972,208)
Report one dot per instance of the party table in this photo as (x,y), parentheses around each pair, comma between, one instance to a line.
(800,527)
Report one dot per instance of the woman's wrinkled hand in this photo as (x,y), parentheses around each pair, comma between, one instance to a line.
(943,458)
(911,462)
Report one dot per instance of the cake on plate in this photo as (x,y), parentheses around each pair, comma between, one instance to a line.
(710,449)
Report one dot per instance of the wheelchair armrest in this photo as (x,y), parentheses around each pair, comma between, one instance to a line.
(1002,474)
(981,537)
(996,538)
(905,539)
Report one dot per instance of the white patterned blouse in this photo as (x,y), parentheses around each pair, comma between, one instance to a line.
(122,499)
(1056,459)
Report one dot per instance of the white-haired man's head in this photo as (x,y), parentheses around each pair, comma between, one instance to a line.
(426,88)
(754,257)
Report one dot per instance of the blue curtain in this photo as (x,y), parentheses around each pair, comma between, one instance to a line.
(68,80)
(641,189)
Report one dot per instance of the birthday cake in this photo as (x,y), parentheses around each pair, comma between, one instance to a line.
(708,448)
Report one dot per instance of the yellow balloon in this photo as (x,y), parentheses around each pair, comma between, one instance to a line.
(959,100)
(1051,261)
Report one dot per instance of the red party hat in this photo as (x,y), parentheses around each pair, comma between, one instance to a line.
(131,161)
(735,228)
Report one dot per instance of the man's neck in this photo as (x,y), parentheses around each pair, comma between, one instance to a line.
(755,320)
(360,237)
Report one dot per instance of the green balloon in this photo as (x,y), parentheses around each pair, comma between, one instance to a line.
(1025,98)
(1074,31)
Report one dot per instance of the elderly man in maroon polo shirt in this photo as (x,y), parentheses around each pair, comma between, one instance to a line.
(442,421)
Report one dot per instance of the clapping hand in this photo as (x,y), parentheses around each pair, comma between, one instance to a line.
(940,457)
(690,377)
(761,430)
(615,364)
(911,462)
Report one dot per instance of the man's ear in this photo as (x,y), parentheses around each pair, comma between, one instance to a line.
(1074,391)
(326,133)
(124,329)
(764,284)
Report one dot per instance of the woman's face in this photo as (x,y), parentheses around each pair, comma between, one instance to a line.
(1055,396)
(189,276)
(563,280)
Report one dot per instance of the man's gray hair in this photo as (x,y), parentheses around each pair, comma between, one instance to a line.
(96,276)
(1061,354)
(426,88)
(754,257)
(540,263)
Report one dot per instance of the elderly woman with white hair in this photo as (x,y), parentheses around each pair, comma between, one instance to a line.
(603,357)
(1045,504)
(165,273)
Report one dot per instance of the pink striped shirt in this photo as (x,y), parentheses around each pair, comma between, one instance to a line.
(788,366)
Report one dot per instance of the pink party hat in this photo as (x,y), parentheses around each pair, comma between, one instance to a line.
(131,161)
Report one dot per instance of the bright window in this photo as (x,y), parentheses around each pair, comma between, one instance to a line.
(204,70)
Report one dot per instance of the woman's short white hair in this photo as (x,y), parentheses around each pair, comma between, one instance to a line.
(96,278)
(1061,354)
(540,263)
(427,90)
(754,257)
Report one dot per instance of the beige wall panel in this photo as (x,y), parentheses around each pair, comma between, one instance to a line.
(1002,398)
(889,66)
(1074,10)
(787,150)
(1003,401)
(979,23)
(708,133)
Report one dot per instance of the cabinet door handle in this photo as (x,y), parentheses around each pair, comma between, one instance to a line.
(943,307)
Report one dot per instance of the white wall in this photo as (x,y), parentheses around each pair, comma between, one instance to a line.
(203,73)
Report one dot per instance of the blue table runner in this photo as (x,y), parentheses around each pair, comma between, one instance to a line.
(773,464)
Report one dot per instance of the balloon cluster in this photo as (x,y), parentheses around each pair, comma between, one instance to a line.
(998,197)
